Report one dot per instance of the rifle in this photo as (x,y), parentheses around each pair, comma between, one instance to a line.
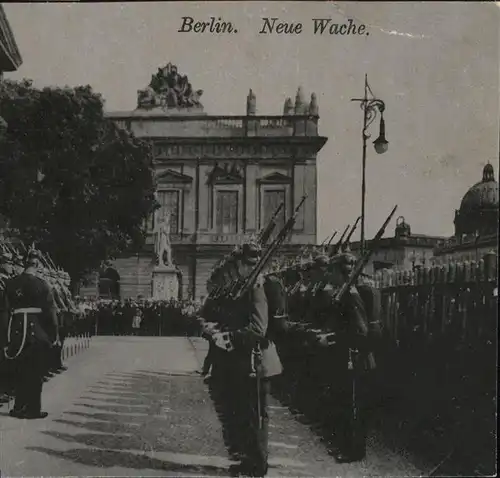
(250,280)
(339,243)
(264,235)
(331,239)
(353,351)
(266,232)
(364,260)
(348,238)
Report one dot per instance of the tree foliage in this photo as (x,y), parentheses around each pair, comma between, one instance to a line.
(71,180)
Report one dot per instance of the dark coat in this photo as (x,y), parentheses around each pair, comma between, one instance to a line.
(28,291)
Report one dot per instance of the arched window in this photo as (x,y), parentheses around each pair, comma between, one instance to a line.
(109,284)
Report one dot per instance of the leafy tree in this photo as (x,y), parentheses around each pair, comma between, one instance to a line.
(71,180)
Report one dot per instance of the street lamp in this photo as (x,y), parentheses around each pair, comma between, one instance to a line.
(370,106)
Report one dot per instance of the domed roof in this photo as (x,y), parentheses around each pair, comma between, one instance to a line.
(483,195)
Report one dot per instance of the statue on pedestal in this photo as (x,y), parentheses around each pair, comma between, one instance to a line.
(162,242)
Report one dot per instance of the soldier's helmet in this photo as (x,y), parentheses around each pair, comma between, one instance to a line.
(344,262)
(321,261)
(33,258)
(250,253)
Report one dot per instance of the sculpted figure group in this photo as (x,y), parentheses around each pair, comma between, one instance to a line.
(169,89)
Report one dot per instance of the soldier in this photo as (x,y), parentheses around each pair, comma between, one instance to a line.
(32,328)
(243,374)
(7,375)
(56,364)
(356,324)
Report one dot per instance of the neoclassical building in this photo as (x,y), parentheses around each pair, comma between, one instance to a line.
(219,179)
(402,250)
(476,222)
(10,58)
(476,233)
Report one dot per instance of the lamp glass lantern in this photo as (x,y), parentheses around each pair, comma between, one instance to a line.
(381,144)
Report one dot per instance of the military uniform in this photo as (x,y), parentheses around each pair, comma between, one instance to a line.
(356,324)
(241,377)
(31,331)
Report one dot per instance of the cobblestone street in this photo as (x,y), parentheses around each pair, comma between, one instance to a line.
(134,406)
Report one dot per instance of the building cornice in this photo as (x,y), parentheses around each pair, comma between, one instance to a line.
(207,149)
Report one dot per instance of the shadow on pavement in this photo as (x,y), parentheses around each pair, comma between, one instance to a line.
(110,458)
(173,416)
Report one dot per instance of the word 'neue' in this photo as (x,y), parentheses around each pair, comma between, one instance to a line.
(320,26)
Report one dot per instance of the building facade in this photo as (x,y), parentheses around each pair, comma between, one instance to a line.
(404,250)
(10,60)
(219,180)
(476,233)
(476,222)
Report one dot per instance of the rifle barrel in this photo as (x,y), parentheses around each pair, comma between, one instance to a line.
(252,277)
(331,238)
(351,232)
(339,243)
(266,231)
(358,269)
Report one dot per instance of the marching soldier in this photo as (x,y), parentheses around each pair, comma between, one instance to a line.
(32,328)
(356,323)
(242,371)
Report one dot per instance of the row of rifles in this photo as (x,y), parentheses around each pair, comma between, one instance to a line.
(57,278)
(226,286)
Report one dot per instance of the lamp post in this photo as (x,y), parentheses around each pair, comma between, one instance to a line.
(370,106)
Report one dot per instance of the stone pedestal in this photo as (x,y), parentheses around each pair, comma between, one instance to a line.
(165,283)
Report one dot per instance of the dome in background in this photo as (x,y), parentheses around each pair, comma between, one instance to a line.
(483,194)
(478,211)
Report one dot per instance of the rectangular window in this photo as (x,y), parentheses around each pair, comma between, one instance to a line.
(272,198)
(169,201)
(226,213)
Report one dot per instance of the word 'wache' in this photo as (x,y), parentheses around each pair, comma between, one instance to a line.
(320,26)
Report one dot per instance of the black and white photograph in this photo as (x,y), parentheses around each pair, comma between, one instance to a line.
(249,239)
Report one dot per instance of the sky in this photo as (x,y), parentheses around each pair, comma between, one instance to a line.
(435,65)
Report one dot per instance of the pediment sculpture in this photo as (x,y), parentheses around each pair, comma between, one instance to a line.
(169,89)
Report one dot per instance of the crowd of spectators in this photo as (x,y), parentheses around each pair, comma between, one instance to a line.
(141,316)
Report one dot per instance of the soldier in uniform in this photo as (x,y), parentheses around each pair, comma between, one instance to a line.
(32,328)
(7,376)
(243,374)
(356,322)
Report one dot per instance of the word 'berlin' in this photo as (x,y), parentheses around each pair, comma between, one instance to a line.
(212,26)
(320,26)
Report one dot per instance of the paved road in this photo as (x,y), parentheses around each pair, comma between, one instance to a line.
(134,406)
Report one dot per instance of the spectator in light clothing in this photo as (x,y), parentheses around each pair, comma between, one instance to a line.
(136,322)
